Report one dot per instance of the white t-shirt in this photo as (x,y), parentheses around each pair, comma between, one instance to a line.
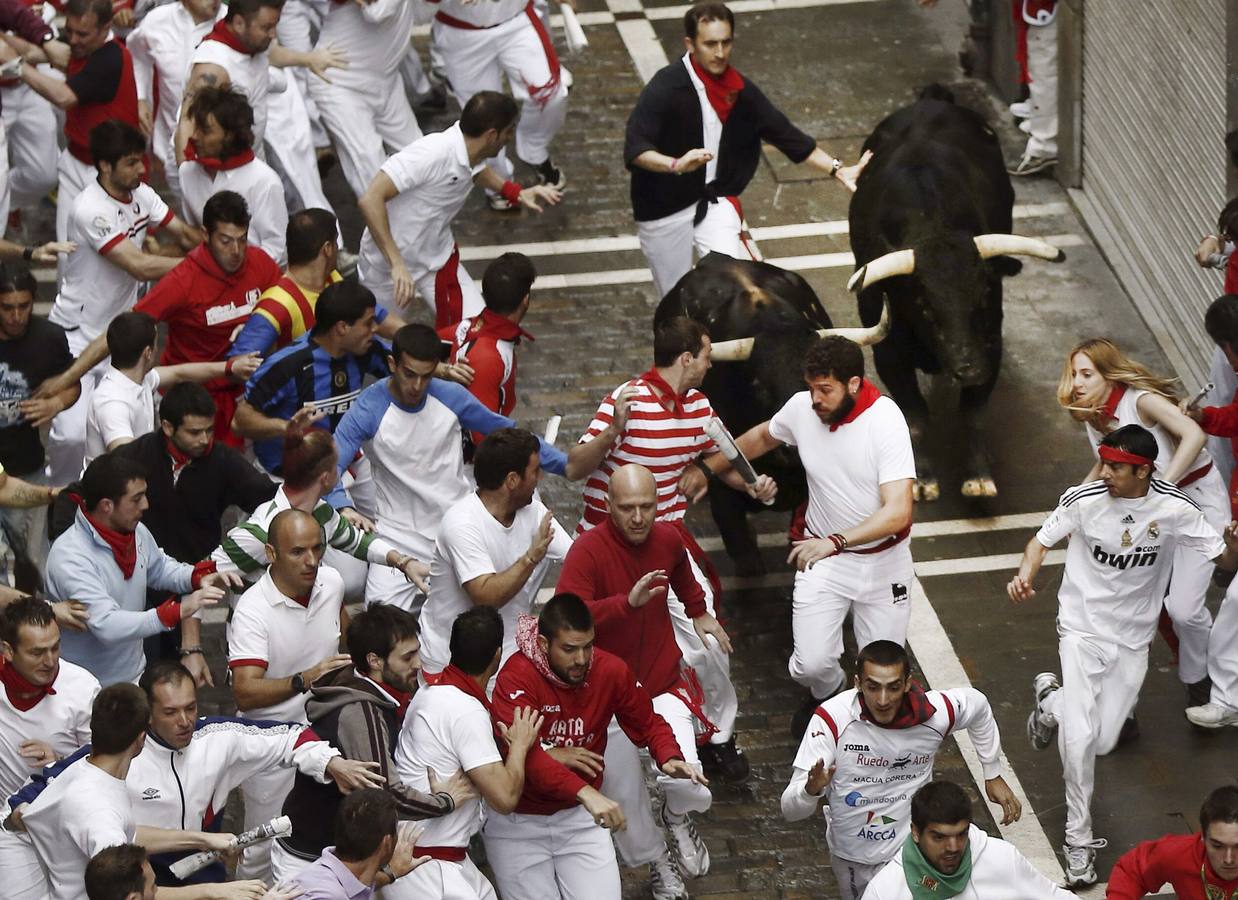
(434,178)
(248,73)
(847,466)
(711,124)
(483,15)
(60,720)
(83,811)
(93,291)
(263,193)
(1120,557)
(373,36)
(445,729)
(471,543)
(1127,413)
(275,632)
(120,410)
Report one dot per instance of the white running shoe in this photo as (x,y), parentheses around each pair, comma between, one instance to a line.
(1081,862)
(1042,727)
(1021,110)
(665,882)
(1212,715)
(686,844)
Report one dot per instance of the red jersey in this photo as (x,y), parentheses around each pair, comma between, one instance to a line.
(1222,421)
(106,89)
(601,568)
(488,343)
(1176,859)
(577,716)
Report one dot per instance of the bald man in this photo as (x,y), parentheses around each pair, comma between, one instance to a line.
(284,634)
(623,568)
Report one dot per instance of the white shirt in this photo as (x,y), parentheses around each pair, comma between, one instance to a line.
(846,467)
(60,720)
(94,291)
(375,39)
(263,193)
(248,74)
(1127,413)
(161,45)
(120,410)
(1120,557)
(434,178)
(472,543)
(483,15)
(712,125)
(445,729)
(275,632)
(83,811)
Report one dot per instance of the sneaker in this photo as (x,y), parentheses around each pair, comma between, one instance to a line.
(551,175)
(1025,125)
(802,717)
(1199,693)
(327,160)
(566,76)
(1212,715)
(1031,164)
(345,262)
(689,850)
(499,203)
(1081,862)
(1021,109)
(665,882)
(725,761)
(1129,733)
(432,101)
(1041,727)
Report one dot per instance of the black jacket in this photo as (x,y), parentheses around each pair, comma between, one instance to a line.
(667,118)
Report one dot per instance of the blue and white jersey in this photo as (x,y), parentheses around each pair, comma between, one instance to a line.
(417,457)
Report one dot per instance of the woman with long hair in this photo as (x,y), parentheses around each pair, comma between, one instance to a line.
(1105,389)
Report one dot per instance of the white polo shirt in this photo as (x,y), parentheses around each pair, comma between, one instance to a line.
(445,729)
(471,543)
(248,73)
(81,812)
(434,178)
(275,632)
(93,291)
(847,466)
(373,36)
(120,409)
(263,193)
(60,720)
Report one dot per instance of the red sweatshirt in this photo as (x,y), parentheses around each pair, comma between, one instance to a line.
(1176,859)
(577,717)
(601,568)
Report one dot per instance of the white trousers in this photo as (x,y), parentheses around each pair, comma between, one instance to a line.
(285,865)
(66,440)
(365,126)
(378,280)
(624,782)
(1223,650)
(477,61)
(875,589)
(565,855)
(416,82)
(24,876)
(384,584)
(298,23)
(1042,89)
(711,664)
(1100,685)
(264,798)
(290,149)
(668,242)
(30,123)
(1188,585)
(441,880)
(852,877)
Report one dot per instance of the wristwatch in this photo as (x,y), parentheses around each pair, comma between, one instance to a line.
(12,68)
(386,870)
(835,166)
(298,683)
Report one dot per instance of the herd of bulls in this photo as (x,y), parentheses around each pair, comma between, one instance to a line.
(930,226)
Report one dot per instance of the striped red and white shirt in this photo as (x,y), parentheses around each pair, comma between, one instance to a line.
(663,441)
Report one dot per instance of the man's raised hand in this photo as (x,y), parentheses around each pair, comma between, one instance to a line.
(648,587)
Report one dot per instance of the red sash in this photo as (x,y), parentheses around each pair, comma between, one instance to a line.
(448,295)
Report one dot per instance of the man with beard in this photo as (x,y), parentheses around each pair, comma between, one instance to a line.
(853,554)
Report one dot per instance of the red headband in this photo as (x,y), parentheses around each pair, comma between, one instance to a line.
(1114,455)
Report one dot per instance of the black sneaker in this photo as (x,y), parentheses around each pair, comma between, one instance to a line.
(1199,693)
(551,175)
(1129,733)
(725,761)
(803,717)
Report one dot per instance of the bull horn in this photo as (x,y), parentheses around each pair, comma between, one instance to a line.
(900,262)
(990,245)
(740,349)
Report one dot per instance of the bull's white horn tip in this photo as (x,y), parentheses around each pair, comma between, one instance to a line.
(856,282)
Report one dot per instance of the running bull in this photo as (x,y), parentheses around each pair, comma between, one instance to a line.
(761,320)
(930,229)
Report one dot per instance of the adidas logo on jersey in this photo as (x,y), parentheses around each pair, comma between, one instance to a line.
(1124,560)
(1128,519)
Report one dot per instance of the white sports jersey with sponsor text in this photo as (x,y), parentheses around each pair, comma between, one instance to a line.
(1120,557)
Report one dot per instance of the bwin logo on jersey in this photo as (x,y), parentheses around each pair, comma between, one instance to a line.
(1125,560)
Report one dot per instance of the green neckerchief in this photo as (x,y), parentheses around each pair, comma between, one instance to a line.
(925,882)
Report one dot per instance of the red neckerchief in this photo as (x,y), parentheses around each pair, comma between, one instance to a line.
(865,398)
(491,324)
(458,679)
(180,460)
(916,709)
(21,693)
(721,90)
(216,163)
(526,641)
(124,544)
(401,698)
(222,33)
(654,378)
(1105,416)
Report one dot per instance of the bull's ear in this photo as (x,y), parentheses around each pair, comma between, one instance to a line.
(1004,266)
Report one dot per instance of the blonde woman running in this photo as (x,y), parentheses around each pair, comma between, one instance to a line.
(1104,389)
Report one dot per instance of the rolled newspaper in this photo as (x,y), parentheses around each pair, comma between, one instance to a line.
(552,430)
(719,435)
(281,826)
(573,34)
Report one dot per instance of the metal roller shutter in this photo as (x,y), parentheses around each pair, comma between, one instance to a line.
(1153,174)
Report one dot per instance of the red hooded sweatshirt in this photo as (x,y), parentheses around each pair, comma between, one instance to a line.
(1176,859)
(601,568)
(574,716)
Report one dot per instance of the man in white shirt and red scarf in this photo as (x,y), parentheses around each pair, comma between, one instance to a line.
(692,145)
